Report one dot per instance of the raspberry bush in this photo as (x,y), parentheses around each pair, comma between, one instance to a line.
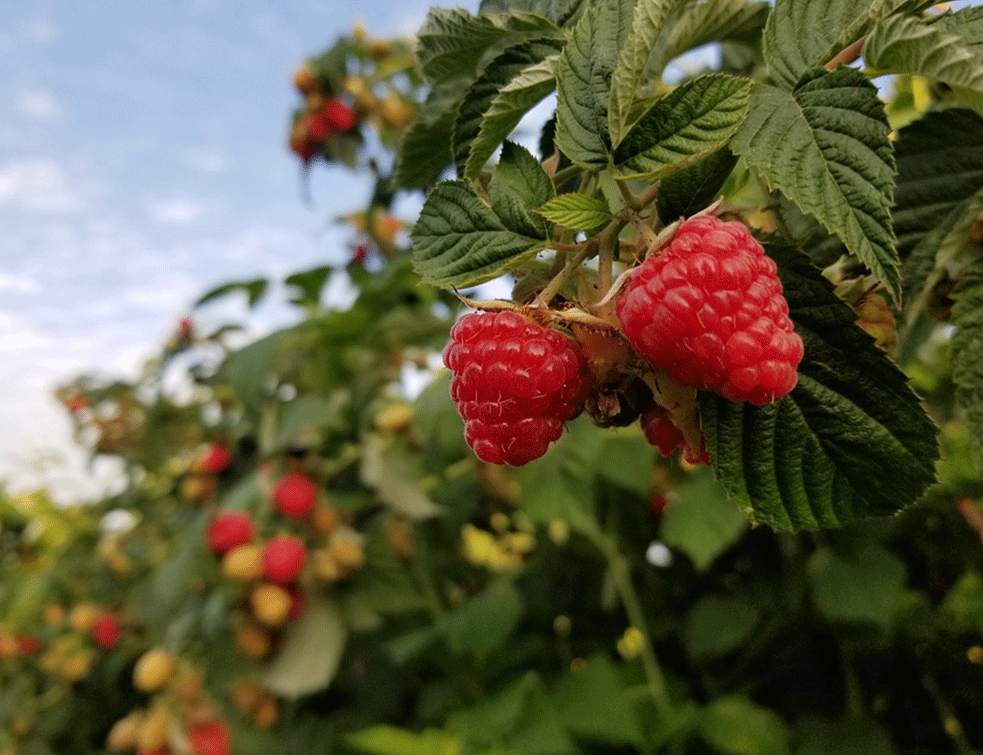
(748,293)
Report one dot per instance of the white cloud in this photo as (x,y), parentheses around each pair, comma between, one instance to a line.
(37,105)
(205,161)
(38,184)
(20,284)
(175,210)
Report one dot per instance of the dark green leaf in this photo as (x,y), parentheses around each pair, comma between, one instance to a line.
(560,12)
(718,624)
(425,149)
(519,186)
(862,586)
(254,290)
(850,441)
(482,623)
(849,736)
(309,284)
(694,120)
(690,190)
(967,350)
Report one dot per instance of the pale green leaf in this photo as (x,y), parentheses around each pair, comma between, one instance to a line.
(560,12)
(737,726)
(901,44)
(826,147)
(804,34)
(593,703)
(485,91)
(647,23)
(576,211)
(966,23)
(967,350)
(383,739)
(518,186)
(459,241)
(688,124)
(583,81)
(850,441)
(863,586)
(709,21)
(383,471)
(701,522)
(512,102)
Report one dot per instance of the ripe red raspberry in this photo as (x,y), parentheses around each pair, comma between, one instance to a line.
(106,631)
(709,310)
(215,460)
(334,116)
(210,739)
(515,383)
(295,495)
(283,558)
(664,435)
(227,530)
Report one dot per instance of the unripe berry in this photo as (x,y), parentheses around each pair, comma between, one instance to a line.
(123,735)
(154,730)
(252,641)
(243,564)
(295,495)
(82,617)
(227,530)
(154,670)
(271,604)
(283,558)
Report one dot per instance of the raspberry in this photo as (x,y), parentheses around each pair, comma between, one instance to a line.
(227,530)
(106,631)
(283,558)
(664,435)
(334,116)
(515,383)
(210,739)
(295,495)
(709,310)
(215,460)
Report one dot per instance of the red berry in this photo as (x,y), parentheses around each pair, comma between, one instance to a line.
(29,644)
(709,310)
(295,495)
(659,504)
(216,460)
(227,530)
(210,739)
(106,631)
(515,383)
(664,435)
(334,116)
(297,602)
(283,558)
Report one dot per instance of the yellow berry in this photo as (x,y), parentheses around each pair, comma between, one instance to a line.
(153,670)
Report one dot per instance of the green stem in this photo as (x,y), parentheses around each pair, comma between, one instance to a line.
(554,286)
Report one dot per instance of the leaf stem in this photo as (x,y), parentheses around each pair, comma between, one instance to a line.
(847,55)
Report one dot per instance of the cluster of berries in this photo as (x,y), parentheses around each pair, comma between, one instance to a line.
(707,309)
(322,116)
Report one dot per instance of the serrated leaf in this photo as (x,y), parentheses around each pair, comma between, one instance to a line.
(583,80)
(901,44)
(508,107)
(518,186)
(558,11)
(576,211)
(850,441)
(310,651)
(459,241)
(425,149)
(486,90)
(253,289)
(691,189)
(709,21)
(701,522)
(967,23)
(737,726)
(804,34)
(678,130)
(647,23)
(967,350)
(826,146)
(863,586)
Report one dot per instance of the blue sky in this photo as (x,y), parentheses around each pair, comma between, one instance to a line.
(142,161)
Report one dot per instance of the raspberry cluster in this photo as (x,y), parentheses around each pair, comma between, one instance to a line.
(709,310)
(515,383)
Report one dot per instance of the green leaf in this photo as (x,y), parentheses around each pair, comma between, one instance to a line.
(862,586)
(385,472)
(701,522)
(518,186)
(481,625)
(593,703)
(850,441)
(964,602)
(310,651)
(691,189)
(626,460)
(250,368)
(719,624)
(472,116)
(459,241)
(309,284)
(967,23)
(709,21)
(647,23)
(560,12)
(383,739)
(577,212)
(826,146)
(804,34)
(311,412)
(560,485)
(736,726)
(849,736)
(513,101)
(967,350)
(694,120)
(437,422)
(583,79)
(425,149)
(901,44)
(254,290)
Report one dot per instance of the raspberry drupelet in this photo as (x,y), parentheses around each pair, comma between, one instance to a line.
(709,310)
(514,383)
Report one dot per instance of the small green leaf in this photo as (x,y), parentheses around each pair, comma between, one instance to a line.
(850,441)
(901,44)
(577,212)
(309,284)
(459,241)
(691,189)
(471,123)
(593,703)
(583,79)
(964,602)
(737,726)
(518,186)
(709,21)
(647,23)
(863,586)
(719,624)
(693,121)
(481,624)
(701,522)
(826,146)
(254,290)
(383,739)
(967,350)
